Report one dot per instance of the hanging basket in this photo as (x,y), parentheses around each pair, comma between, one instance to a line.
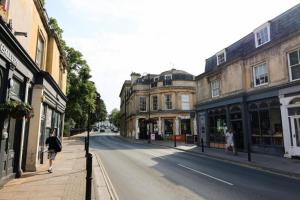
(16,110)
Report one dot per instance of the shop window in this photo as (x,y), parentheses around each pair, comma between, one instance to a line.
(143,104)
(266,128)
(17,88)
(294,65)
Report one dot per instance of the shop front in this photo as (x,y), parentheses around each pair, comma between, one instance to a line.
(290,110)
(17,73)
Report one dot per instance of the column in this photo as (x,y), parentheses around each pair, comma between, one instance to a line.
(159,126)
(285,126)
(177,126)
(195,125)
(137,129)
(34,129)
(20,172)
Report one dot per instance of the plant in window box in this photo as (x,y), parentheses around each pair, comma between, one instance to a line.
(6,108)
(21,110)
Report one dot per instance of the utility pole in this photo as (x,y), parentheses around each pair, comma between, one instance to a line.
(89,162)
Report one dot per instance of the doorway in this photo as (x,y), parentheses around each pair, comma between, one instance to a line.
(237,127)
(295,125)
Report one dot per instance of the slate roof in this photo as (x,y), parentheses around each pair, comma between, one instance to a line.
(281,27)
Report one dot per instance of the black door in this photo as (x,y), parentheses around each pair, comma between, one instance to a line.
(237,127)
(143,129)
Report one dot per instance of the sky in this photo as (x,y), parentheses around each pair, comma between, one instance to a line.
(118,37)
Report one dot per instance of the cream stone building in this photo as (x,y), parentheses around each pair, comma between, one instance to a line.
(252,87)
(171,110)
(32,70)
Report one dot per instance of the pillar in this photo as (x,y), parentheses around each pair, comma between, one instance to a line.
(34,129)
(177,126)
(159,126)
(137,128)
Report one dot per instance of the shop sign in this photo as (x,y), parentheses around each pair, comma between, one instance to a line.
(8,54)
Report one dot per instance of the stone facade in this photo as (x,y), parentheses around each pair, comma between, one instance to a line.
(33,71)
(172,104)
(249,83)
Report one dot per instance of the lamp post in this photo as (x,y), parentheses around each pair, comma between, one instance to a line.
(149,141)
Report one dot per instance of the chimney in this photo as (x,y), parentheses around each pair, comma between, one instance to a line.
(134,77)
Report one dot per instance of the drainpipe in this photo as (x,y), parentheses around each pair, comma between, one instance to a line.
(20,171)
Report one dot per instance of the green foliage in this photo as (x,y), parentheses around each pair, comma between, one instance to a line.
(16,110)
(81,91)
(43,2)
(115,117)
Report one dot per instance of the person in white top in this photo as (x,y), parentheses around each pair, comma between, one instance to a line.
(229,141)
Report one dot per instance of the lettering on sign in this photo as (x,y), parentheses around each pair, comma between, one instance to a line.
(8,54)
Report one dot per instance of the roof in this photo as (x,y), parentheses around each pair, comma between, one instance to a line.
(281,27)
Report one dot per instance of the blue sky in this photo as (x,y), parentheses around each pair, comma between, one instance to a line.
(118,37)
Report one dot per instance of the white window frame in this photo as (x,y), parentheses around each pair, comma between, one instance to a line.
(185,102)
(259,30)
(254,75)
(212,84)
(289,64)
(166,102)
(140,106)
(220,53)
(168,75)
(41,51)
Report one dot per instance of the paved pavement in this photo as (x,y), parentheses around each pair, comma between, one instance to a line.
(67,182)
(143,171)
(276,164)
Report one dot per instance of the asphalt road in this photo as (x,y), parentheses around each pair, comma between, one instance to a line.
(144,171)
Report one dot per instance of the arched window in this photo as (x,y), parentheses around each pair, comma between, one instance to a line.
(295,101)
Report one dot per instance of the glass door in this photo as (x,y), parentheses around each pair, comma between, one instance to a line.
(295,123)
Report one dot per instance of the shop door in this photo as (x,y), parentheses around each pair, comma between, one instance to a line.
(295,123)
(237,127)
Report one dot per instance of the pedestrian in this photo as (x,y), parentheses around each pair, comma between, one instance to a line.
(229,141)
(54,146)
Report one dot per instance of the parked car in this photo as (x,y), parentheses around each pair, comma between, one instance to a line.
(102,130)
(115,130)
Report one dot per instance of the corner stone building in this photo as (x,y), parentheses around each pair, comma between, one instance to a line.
(172,105)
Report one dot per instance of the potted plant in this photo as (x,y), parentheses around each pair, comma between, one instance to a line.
(6,108)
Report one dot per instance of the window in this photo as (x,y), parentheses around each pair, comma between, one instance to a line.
(39,51)
(221,57)
(154,82)
(262,34)
(215,88)
(143,104)
(168,80)
(168,101)
(294,65)
(185,102)
(260,75)
(154,102)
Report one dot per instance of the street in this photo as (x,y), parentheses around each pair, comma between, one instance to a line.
(144,171)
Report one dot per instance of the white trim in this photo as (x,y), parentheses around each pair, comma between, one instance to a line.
(170,75)
(260,28)
(219,53)
(211,87)
(254,75)
(289,64)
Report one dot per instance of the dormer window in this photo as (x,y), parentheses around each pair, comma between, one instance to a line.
(221,57)
(262,34)
(168,80)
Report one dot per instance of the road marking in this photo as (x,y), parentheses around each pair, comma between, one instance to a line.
(156,156)
(205,174)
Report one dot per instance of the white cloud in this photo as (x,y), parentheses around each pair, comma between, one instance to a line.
(148,35)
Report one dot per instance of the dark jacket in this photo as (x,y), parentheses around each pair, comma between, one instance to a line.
(53,143)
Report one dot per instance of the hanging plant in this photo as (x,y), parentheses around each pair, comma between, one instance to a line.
(6,108)
(16,110)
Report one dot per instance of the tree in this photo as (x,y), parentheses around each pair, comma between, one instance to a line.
(115,117)
(81,91)
(43,2)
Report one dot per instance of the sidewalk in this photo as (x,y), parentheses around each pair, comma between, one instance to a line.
(67,182)
(274,164)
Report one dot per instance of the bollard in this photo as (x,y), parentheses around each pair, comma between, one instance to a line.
(175,141)
(249,152)
(202,145)
(89,165)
